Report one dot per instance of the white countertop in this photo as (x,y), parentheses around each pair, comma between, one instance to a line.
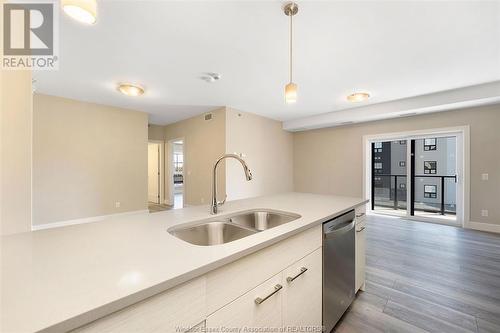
(62,276)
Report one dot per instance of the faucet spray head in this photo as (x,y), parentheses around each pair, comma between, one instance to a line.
(248,174)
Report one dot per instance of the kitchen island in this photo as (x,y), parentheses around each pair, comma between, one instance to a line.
(60,279)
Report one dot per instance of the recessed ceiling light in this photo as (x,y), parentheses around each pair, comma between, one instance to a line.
(358,97)
(84,11)
(130,89)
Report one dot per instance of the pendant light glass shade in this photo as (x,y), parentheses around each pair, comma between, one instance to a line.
(84,11)
(290,93)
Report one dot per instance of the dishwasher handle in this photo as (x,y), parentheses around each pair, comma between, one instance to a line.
(333,232)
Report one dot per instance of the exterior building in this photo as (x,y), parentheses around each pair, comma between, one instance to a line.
(435,169)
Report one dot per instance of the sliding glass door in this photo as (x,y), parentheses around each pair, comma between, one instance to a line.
(434,177)
(415,177)
(389,177)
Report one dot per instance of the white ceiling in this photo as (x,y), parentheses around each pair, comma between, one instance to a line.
(392,49)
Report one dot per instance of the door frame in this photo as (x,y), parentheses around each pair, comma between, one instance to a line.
(463,168)
(169,161)
(161,162)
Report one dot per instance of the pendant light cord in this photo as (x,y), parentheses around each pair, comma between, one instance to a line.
(291,46)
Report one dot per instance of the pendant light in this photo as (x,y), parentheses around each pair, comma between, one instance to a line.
(84,11)
(290,10)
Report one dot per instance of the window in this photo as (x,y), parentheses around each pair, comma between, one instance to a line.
(402,142)
(402,186)
(178,162)
(402,163)
(430,144)
(430,191)
(430,167)
(377,166)
(377,147)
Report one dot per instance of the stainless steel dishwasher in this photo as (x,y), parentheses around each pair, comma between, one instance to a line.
(338,268)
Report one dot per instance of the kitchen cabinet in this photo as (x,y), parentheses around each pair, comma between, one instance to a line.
(260,307)
(230,281)
(302,299)
(360,247)
(289,299)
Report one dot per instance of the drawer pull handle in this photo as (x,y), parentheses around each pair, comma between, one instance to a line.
(360,215)
(302,271)
(360,229)
(277,288)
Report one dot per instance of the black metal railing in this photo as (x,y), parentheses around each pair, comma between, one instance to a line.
(395,199)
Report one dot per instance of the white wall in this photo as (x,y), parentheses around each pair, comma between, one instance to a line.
(268,151)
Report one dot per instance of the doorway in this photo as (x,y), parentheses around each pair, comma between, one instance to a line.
(176,173)
(418,175)
(154,173)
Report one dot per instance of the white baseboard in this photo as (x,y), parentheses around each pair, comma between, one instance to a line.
(83,220)
(483,226)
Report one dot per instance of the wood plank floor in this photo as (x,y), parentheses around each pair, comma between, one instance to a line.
(423,277)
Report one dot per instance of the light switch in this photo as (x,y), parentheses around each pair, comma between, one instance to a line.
(484,176)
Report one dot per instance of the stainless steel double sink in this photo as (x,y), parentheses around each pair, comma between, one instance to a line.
(225,229)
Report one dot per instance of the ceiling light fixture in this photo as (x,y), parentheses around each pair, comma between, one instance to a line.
(211,77)
(290,10)
(130,89)
(84,11)
(358,97)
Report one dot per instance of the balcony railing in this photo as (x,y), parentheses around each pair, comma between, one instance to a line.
(393,196)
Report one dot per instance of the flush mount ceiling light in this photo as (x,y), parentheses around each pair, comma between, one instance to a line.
(84,11)
(290,10)
(358,97)
(130,89)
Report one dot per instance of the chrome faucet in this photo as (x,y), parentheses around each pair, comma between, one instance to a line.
(248,176)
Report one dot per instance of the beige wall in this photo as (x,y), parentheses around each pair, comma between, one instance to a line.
(15,159)
(204,142)
(268,151)
(87,157)
(330,160)
(156,132)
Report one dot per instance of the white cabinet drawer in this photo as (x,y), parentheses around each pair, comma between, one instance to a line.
(174,310)
(302,299)
(245,312)
(233,280)
(360,212)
